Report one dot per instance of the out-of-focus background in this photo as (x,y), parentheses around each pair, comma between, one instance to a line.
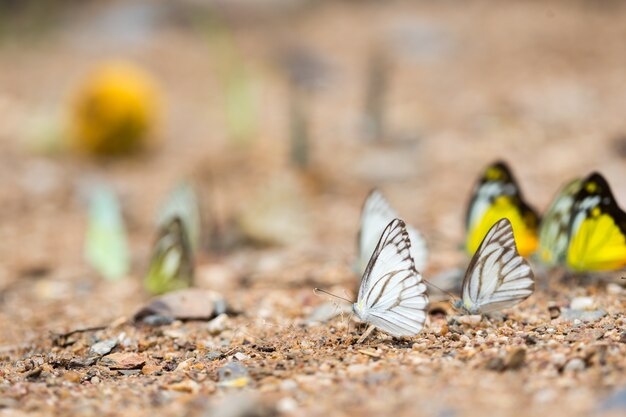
(283,114)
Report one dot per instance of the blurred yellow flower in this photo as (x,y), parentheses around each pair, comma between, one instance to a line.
(115,110)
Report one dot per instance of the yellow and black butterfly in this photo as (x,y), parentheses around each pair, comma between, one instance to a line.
(597,229)
(553,231)
(497,196)
(171,264)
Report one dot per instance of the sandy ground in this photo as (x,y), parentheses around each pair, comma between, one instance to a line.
(538,84)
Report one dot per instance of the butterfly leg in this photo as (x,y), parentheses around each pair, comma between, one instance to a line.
(365,335)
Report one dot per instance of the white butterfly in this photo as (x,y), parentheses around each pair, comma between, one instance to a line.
(498,276)
(392,296)
(375,215)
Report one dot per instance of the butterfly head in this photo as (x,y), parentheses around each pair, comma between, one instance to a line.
(357,308)
(462,307)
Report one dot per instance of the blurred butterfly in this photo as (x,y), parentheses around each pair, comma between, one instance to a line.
(554,226)
(498,276)
(182,202)
(375,216)
(392,296)
(106,245)
(597,229)
(497,196)
(171,264)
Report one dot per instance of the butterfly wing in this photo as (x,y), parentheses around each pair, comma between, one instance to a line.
(106,244)
(597,230)
(553,232)
(171,265)
(182,202)
(376,214)
(392,295)
(498,276)
(497,196)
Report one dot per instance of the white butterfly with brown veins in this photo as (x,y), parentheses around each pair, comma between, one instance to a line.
(498,276)
(375,216)
(392,296)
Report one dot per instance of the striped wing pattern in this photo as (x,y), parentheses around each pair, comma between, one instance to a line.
(392,295)
(377,213)
(497,277)
(553,233)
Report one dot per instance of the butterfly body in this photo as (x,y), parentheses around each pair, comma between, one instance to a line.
(392,296)
(498,276)
(597,229)
(497,196)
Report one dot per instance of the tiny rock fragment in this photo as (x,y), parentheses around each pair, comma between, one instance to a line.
(239,406)
(288,385)
(622,337)
(496,364)
(358,369)
(187,385)
(218,324)
(34,373)
(581,303)
(568,314)
(470,320)
(184,366)
(103,347)
(150,369)
(187,304)
(574,365)
(369,352)
(233,375)
(241,356)
(614,288)
(129,372)
(515,358)
(267,349)
(72,376)
(287,405)
(555,311)
(123,360)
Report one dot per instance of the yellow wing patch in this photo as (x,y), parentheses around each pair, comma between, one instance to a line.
(504,207)
(598,244)
(597,239)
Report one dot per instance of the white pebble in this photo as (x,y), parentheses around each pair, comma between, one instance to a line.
(581,303)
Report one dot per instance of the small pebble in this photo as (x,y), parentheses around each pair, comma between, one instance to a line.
(241,356)
(288,385)
(574,365)
(103,347)
(218,324)
(471,320)
(72,376)
(587,316)
(123,360)
(287,405)
(581,303)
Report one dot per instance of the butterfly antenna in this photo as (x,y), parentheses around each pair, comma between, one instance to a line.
(316,291)
(448,293)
